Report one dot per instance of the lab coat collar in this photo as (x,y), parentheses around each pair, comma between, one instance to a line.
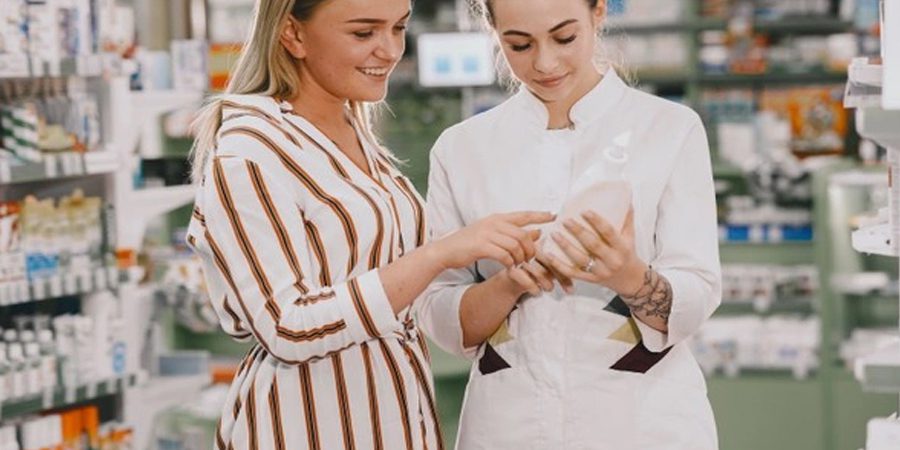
(589,108)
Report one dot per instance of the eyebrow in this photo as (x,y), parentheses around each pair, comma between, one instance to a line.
(378,21)
(554,29)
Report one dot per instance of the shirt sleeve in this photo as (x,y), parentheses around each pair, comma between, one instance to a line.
(687,244)
(255,236)
(437,310)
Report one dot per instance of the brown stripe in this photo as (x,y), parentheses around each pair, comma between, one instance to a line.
(426,388)
(423,346)
(375,254)
(399,389)
(250,109)
(287,247)
(235,320)
(313,333)
(192,240)
(198,215)
(236,409)
(309,407)
(307,300)
(243,240)
(343,401)
(424,434)
(374,412)
(275,411)
(251,417)
(220,443)
(316,190)
(417,206)
(361,309)
(639,359)
(315,240)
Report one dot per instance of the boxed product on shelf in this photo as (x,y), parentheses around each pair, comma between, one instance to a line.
(769,9)
(735,344)
(65,119)
(818,119)
(763,285)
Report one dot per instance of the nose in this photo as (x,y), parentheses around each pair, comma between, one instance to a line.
(391,47)
(545,60)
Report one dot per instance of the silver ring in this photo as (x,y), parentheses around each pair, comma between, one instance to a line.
(590,265)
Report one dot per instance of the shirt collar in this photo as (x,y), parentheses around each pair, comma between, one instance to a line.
(592,106)
(264,103)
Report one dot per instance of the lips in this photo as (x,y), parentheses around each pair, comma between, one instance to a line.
(377,72)
(551,81)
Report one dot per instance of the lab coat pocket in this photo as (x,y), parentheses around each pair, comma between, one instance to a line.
(500,411)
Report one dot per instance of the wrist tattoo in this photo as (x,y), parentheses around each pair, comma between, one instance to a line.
(653,298)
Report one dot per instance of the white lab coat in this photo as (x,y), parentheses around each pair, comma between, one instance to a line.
(576,371)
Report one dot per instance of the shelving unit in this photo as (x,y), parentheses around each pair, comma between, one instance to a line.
(63,397)
(127,117)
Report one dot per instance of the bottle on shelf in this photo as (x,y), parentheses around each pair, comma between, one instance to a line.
(16,356)
(5,376)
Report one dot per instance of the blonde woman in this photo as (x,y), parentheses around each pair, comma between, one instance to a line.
(601,363)
(314,245)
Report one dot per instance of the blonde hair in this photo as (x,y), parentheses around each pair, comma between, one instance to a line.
(604,56)
(264,67)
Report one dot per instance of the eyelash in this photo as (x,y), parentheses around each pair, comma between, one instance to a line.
(522,48)
(370,33)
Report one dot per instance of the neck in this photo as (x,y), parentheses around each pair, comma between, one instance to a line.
(559,112)
(317,105)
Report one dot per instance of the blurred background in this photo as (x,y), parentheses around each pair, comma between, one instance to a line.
(108,340)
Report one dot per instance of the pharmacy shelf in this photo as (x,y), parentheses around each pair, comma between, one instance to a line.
(880,372)
(816,77)
(20,66)
(46,288)
(790,25)
(63,397)
(798,305)
(58,166)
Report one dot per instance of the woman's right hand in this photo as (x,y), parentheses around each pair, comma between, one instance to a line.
(499,237)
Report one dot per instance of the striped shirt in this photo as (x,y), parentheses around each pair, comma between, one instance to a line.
(292,233)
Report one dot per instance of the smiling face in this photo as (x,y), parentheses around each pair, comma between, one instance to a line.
(349,48)
(550,44)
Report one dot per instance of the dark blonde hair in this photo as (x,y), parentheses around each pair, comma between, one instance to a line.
(264,67)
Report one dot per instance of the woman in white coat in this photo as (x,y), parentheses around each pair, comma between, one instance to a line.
(601,360)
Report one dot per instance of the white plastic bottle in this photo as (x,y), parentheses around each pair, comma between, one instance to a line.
(34,380)
(49,370)
(5,375)
(601,188)
(19,370)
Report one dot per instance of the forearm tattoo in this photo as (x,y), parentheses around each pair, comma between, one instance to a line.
(654,298)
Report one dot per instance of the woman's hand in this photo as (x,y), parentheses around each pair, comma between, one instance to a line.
(533,278)
(601,254)
(499,237)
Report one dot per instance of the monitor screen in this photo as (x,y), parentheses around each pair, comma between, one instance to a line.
(455,59)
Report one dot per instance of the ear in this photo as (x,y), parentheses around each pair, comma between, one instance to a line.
(599,14)
(291,37)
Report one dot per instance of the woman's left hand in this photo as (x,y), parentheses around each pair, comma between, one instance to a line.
(605,256)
